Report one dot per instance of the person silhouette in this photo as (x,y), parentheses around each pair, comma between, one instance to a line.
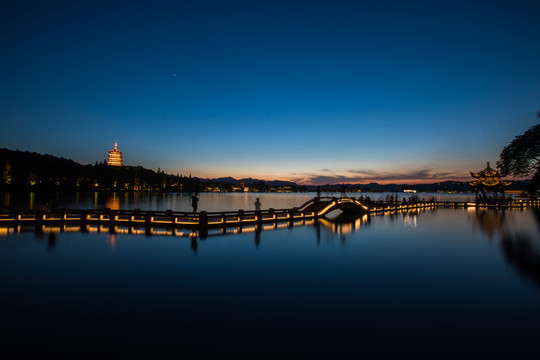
(257,205)
(51,206)
(195,202)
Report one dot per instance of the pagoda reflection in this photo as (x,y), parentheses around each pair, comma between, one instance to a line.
(520,248)
(491,221)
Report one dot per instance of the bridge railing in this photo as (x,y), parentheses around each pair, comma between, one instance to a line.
(166,217)
(183,218)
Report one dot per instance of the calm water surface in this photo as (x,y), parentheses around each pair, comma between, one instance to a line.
(433,284)
(182,201)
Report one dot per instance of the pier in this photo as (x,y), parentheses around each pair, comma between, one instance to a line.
(313,209)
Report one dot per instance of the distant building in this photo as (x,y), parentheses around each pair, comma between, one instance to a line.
(115,156)
(488,180)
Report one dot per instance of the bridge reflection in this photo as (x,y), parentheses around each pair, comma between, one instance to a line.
(339,224)
(518,244)
(155,231)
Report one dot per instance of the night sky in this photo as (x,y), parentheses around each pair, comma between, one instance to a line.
(311,91)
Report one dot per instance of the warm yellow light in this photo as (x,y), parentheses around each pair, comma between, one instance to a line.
(121,230)
(5,231)
(115,156)
(72,228)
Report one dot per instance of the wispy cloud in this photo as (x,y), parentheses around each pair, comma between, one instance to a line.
(326,176)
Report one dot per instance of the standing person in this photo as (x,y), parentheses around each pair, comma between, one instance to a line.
(51,206)
(195,202)
(318,191)
(257,205)
(343,191)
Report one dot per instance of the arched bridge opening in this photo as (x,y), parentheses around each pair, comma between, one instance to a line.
(324,205)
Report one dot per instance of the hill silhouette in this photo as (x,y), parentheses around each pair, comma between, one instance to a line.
(24,170)
(30,171)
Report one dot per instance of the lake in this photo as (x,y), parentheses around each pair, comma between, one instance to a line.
(439,283)
(182,202)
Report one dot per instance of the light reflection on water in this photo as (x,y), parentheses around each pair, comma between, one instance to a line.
(182,201)
(435,283)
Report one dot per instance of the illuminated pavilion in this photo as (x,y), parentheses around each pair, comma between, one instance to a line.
(115,156)
(488,181)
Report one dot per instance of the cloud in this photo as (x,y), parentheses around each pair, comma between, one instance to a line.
(368,175)
(423,174)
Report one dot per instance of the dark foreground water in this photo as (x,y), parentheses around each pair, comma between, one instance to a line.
(435,284)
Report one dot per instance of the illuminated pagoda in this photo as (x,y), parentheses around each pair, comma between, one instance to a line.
(115,156)
(488,180)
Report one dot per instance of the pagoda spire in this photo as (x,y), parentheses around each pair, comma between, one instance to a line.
(115,156)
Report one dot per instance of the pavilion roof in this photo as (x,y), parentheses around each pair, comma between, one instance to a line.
(488,172)
(488,177)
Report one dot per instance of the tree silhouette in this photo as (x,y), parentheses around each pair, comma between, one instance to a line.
(522,156)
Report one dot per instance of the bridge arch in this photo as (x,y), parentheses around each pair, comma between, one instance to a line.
(323,205)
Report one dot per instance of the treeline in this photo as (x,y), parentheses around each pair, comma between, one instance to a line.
(24,170)
(444,187)
(30,171)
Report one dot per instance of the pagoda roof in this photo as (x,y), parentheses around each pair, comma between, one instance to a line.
(488,172)
(488,177)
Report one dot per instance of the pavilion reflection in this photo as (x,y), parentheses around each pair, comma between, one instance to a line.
(491,221)
(523,252)
(519,247)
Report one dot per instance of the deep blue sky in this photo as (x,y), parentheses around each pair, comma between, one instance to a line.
(312,91)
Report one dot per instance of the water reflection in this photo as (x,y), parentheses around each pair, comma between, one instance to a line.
(410,220)
(113,202)
(491,221)
(520,246)
(194,245)
(337,225)
(111,238)
(516,237)
(258,230)
(181,201)
(51,241)
(32,200)
(7,200)
(521,251)
(341,226)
